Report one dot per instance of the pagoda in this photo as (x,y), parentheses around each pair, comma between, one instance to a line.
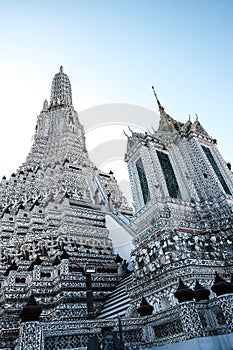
(55,246)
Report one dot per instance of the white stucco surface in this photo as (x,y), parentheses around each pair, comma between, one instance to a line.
(122,240)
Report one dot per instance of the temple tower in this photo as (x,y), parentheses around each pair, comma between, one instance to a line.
(55,244)
(182,190)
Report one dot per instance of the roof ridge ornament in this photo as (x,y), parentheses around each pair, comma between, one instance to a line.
(61,69)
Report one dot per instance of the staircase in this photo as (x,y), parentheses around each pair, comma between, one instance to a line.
(118,302)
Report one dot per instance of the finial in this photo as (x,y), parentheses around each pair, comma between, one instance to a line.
(161,109)
(196,116)
(130,130)
(61,69)
(189,118)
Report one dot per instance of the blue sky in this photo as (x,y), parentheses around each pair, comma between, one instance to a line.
(113,51)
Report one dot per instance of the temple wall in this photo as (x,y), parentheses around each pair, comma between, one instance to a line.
(220,342)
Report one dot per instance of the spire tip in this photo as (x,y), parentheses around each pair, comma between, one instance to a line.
(161,109)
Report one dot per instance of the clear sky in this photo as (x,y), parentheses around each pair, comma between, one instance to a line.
(113,51)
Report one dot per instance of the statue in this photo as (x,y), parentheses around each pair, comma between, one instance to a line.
(108,341)
(93,343)
(111,341)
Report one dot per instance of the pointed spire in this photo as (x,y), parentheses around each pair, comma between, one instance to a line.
(130,130)
(161,109)
(45,105)
(125,134)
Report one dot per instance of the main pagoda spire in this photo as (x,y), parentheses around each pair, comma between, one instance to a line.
(61,94)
